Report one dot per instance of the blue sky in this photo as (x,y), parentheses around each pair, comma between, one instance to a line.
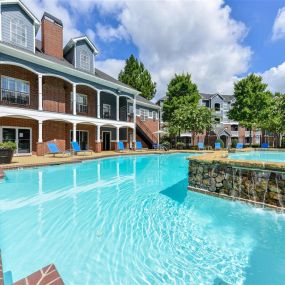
(216,41)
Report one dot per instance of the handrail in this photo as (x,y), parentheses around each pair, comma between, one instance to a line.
(146,130)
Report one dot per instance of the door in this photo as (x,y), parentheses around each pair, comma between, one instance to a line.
(81,138)
(106,140)
(20,136)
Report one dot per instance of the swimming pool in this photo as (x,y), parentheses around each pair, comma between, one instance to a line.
(273,156)
(131,220)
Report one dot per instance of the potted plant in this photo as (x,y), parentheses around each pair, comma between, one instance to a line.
(6,152)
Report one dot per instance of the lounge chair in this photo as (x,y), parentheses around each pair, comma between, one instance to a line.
(120,146)
(155,146)
(265,145)
(218,146)
(200,146)
(239,146)
(77,149)
(139,145)
(53,149)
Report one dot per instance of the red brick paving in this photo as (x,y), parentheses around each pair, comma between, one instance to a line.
(46,276)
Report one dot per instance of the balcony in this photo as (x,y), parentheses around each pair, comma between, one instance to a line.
(234,133)
(15,97)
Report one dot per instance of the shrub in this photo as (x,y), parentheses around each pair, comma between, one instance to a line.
(8,145)
(255,145)
(234,143)
(221,142)
(180,145)
(166,144)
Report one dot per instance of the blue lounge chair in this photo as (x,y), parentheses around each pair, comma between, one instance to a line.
(53,149)
(239,145)
(155,146)
(200,146)
(265,145)
(217,146)
(120,146)
(139,145)
(77,149)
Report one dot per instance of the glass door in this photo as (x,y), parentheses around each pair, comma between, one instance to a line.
(106,140)
(20,136)
(81,138)
(24,141)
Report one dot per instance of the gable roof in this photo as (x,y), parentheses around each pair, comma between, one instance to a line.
(73,41)
(27,11)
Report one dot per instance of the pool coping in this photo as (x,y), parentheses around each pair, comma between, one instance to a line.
(221,157)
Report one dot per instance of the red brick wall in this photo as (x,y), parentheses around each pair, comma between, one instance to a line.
(23,74)
(56,95)
(152,125)
(52,39)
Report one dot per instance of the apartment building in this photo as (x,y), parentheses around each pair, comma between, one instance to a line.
(55,93)
(223,127)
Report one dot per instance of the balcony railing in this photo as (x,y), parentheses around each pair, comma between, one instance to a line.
(15,97)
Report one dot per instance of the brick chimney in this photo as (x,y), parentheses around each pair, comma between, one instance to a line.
(52,36)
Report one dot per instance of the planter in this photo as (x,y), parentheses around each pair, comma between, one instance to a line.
(6,156)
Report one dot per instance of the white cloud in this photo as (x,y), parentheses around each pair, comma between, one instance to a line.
(278,31)
(109,34)
(274,77)
(111,66)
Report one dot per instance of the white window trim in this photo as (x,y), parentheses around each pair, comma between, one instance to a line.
(85,54)
(109,107)
(11,32)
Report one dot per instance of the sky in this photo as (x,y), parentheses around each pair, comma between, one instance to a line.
(216,41)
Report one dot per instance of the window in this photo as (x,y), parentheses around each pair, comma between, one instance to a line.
(143,114)
(154,114)
(81,103)
(130,109)
(217,107)
(217,120)
(84,60)
(106,111)
(18,32)
(15,90)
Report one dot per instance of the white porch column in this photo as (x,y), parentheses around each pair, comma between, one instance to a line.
(40,91)
(118,108)
(40,132)
(98,134)
(74,132)
(117,134)
(98,104)
(135,120)
(74,98)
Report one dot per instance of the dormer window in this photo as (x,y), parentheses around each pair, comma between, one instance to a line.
(18,32)
(84,60)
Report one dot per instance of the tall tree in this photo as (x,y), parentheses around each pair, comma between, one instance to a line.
(180,91)
(252,102)
(135,75)
(190,117)
(276,117)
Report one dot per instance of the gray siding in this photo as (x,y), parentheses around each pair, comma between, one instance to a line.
(70,56)
(10,12)
(83,46)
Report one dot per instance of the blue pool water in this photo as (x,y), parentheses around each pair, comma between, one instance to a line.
(131,220)
(273,156)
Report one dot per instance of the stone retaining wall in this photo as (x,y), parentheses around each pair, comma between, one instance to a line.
(256,185)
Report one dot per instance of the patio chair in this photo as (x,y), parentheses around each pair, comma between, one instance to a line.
(200,146)
(53,149)
(265,145)
(239,146)
(217,146)
(77,149)
(139,146)
(155,146)
(120,146)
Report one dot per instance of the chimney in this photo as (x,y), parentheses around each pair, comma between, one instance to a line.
(52,36)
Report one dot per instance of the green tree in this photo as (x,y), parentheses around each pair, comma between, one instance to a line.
(252,103)
(190,117)
(276,116)
(135,75)
(180,91)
